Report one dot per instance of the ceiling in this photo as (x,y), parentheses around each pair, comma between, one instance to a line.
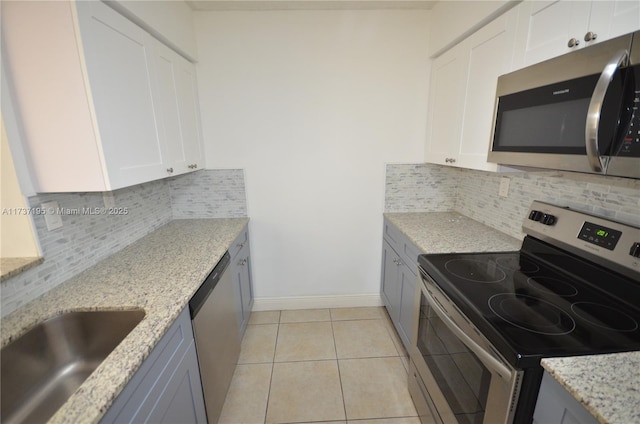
(199,5)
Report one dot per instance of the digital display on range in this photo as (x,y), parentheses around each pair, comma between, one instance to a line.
(599,235)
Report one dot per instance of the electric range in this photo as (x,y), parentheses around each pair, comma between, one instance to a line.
(485,320)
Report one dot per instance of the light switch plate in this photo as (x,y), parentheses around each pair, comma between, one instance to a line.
(51,216)
(503,191)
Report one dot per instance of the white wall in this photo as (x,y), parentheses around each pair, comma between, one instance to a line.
(312,104)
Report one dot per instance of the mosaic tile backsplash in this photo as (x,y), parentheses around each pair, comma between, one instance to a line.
(209,194)
(420,188)
(85,239)
(476,193)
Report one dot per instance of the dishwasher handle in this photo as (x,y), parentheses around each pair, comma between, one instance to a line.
(202,294)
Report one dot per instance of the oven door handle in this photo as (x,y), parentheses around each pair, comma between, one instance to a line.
(487,358)
(595,108)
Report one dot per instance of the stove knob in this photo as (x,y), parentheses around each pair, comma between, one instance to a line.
(548,219)
(535,215)
(635,250)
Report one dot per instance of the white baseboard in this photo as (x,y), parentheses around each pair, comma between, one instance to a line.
(316,302)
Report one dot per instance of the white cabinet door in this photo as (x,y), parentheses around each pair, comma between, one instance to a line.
(545,28)
(189,108)
(489,55)
(178,104)
(118,57)
(446,96)
(610,19)
(167,74)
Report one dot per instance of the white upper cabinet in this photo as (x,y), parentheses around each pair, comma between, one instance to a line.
(551,28)
(178,107)
(118,57)
(462,95)
(610,19)
(446,97)
(101,107)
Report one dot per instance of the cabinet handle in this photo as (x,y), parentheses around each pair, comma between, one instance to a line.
(573,42)
(170,170)
(193,166)
(450,160)
(240,245)
(242,262)
(590,36)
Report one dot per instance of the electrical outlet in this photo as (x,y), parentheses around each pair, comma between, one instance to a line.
(503,191)
(109,199)
(51,216)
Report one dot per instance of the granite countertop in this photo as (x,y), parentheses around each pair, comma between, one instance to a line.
(10,267)
(158,273)
(606,385)
(463,234)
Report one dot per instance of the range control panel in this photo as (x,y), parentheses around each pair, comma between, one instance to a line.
(610,243)
(599,235)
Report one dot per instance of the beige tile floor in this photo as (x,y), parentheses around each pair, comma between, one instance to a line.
(320,365)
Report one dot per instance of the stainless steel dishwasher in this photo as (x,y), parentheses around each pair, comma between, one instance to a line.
(214,315)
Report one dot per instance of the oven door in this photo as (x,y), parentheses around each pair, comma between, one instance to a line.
(455,371)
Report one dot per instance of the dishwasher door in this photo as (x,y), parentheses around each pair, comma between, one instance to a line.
(214,314)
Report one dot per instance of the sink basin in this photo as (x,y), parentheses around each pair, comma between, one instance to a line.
(42,368)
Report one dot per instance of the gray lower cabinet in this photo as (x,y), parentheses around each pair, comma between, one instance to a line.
(167,387)
(241,270)
(398,285)
(556,405)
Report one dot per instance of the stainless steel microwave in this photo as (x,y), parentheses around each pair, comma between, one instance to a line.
(577,112)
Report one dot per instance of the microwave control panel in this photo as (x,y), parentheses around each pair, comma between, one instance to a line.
(630,146)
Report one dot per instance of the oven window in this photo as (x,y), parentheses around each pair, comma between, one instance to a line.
(461,377)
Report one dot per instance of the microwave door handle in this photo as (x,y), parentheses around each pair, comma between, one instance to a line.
(487,358)
(595,109)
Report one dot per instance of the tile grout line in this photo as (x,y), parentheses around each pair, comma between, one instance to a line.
(335,348)
(273,364)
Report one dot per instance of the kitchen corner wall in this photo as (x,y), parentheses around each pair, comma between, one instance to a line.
(476,194)
(85,239)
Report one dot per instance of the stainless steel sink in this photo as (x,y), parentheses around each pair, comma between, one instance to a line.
(42,368)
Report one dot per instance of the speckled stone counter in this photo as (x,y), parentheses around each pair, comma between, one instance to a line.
(159,273)
(10,267)
(606,385)
(446,232)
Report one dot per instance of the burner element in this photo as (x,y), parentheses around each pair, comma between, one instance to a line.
(517,263)
(604,316)
(552,286)
(531,314)
(477,271)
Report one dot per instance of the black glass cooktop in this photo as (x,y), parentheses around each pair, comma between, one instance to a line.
(541,301)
